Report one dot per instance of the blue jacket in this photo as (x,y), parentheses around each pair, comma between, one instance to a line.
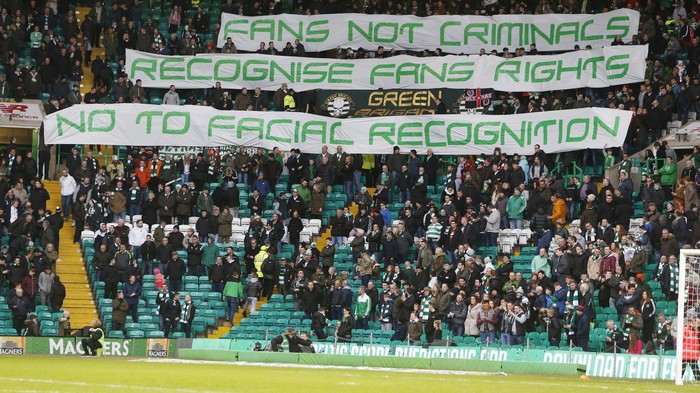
(134,288)
(386,215)
(262,186)
(561,298)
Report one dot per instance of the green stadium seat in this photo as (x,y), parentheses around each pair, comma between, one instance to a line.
(155,334)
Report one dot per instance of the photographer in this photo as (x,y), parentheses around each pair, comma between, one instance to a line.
(294,342)
(96,339)
(614,338)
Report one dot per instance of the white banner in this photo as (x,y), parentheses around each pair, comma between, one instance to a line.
(138,124)
(453,34)
(613,65)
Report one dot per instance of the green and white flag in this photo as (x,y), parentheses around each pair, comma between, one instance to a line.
(138,124)
(603,67)
(453,34)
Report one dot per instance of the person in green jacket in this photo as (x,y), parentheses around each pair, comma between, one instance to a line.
(362,309)
(668,177)
(205,201)
(233,293)
(515,207)
(541,262)
(209,253)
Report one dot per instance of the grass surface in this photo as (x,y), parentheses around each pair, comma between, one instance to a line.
(74,374)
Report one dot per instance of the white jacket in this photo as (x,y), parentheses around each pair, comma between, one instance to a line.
(68,185)
(137,236)
(493,221)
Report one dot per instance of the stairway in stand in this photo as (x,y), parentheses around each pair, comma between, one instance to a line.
(224,329)
(87,83)
(71,269)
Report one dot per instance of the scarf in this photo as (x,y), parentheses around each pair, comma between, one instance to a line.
(673,278)
(571,321)
(154,168)
(572,297)
(628,324)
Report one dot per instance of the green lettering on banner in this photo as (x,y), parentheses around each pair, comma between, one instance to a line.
(275,67)
(443,39)
(593,63)
(577,69)
(586,37)
(309,71)
(318,31)
(252,73)
(352,27)
(250,124)
(378,73)
(149,119)
(543,128)
(547,72)
(461,72)
(177,68)
(297,34)
(405,136)
(614,29)
(478,31)
(483,130)
(221,122)
(314,127)
(598,123)
(567,28)
(509,35)
(428,125)
(619,63)
(92,127)
(393,31)
(384,131)
(144,65)
(535,31)
(334,127)
(79,126)
(230,28)
(440,75)
(519,139)
(228,76)
(510,68)
(340,69)
(571,128)
(192,62)
(272,123)
(410,27)
(175,115)
(452,130)
(265,27)
(407,69)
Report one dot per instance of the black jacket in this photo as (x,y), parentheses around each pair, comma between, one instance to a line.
(176,269)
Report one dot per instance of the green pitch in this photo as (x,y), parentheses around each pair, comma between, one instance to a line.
(74,374)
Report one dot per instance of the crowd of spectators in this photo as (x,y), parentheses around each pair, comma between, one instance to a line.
(450,211)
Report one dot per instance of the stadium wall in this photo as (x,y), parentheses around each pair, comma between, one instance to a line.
(520,360)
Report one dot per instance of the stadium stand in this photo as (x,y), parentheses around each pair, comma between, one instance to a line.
(603,245)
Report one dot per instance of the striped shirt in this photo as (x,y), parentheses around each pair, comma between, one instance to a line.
(434,231)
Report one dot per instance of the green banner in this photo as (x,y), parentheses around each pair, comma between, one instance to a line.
(367,103)
(149,347)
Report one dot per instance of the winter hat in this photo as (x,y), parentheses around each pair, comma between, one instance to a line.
(156,271)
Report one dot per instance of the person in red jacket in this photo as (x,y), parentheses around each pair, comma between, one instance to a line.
(691,346)
(143,174)
(30,285)
(608,263)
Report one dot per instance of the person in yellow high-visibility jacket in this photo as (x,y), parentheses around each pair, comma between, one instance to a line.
(259,259)
(289,104)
